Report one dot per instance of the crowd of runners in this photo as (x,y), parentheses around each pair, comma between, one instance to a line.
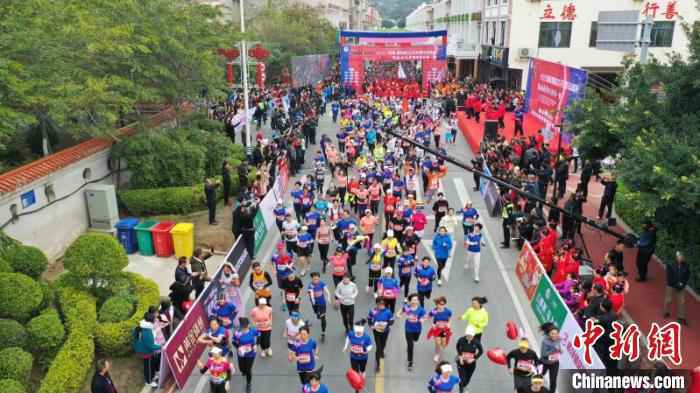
(365,205)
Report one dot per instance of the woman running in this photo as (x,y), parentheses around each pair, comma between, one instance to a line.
(219,370)
(315,385)
(442,245)
(415,315)
(291,331)
(550,352)
(244,340)
(380,319)
(359,343)
(469,349)
(425,275)
(261,316)
(388,288)
(375,267)
(345,293)
(324,234)
(477,316)
(319,295)
(440,330)
(305,354)
(443,381)
(405,264)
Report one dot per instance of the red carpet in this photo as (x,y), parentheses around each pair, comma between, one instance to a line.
(474,131)
(644,303)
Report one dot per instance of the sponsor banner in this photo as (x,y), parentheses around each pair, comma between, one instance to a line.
(397,40)
(260,76)
(309,70)
(433,71)
(528,271)
(267,207)
(551,88)
(489,190)
(181,352)
(401,53)
(549,306)
(260,230)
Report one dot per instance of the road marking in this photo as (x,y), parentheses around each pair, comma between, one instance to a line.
(464,198)
(379,379)
(428,245)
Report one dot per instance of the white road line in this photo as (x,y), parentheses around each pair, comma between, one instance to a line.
(464,198)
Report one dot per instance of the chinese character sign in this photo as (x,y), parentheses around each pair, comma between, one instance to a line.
(568,12)
(667,10)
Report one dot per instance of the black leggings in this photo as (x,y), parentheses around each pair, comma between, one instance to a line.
(217,387)
(348,314)
(151,365)
(323,250)
(405,282)
(465,373)
(390,304)
(358,365)
(411,339)
(553,373)
(264,339)
(373,279)
(422,296)
(441,266)
(380,339)
(246,366)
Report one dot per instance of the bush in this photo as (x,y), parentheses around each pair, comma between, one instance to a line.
(46,332)
(49,295)
(115,309)
(11,386)
(96,260)
(114,338)
(12,334)
(28,260)
(20,296)
(6,244)
(73,362)
(16,363)
(5,266)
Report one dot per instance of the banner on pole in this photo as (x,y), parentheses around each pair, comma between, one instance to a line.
(260,76)
(527,270)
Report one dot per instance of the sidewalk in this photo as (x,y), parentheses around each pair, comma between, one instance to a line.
(644,303)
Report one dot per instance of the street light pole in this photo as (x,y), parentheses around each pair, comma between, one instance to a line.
(244,71)
(645,42)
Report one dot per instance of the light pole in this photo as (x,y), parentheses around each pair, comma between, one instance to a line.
(244,71)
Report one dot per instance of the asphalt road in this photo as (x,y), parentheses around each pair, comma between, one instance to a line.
(499,284)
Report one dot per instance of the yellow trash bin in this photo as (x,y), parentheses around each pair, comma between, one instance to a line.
(183,239)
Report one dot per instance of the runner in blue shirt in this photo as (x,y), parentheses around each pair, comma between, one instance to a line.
(280,213)
(318,292)
(405,265)
(215,336)
(305,355)
(388,288)
(474,242)
(244,340)
(441,330)
(380,320)
(305,246)
(312,220)
(225,312)
(443,381)
(425,274)
(335,109)
(315,385)
(415,315)
(359,343)
(469,218)
(297,196)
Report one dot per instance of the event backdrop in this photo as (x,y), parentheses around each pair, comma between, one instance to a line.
(551,88)
(309,70)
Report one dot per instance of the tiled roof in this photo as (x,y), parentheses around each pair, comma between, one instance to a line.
(35,170)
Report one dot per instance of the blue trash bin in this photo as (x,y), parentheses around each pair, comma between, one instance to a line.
(126,234)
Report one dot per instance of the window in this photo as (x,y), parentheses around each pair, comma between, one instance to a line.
(661,34)
(14,212)
(555,35)
(87,174)
(594,35)
(502,41)
(492,33)
(50,193)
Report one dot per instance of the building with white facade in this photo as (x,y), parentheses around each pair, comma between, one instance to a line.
(565,31)
(461,19)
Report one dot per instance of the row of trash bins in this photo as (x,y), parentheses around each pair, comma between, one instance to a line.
(150,237)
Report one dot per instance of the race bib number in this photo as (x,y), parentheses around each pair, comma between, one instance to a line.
(259,284)
(380,326)
(554,357)
(406,269)
(468,357)
(390,253)
(303,358)
(339,269)
(441,324)
(423,281)
(442,209)
(291,296)
(244,349)
(357,349)
(413,318)
(389,294)
(524,365)
(318,294)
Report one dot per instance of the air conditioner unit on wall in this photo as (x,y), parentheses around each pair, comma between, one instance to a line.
(524,53)
(103,212)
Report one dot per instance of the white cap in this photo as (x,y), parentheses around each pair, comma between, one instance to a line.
(388,270)
(390,233)
(470,331)
(262,300)
(215,350)
(358,329)
(446,368)
(377,245)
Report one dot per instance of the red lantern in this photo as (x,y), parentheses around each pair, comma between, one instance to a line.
(186,305)
(355,379)
(258,53)
(511,330)
(497,355)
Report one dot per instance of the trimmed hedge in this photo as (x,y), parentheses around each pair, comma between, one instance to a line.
(5,266)
(28,260)
(73,363)
(97,260)
(11,386)
(115,309)
(12,334)
(46,332)
(114,338)
(16,364)
(20,296)
(669,237)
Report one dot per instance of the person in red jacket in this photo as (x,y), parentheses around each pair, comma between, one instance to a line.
(476,108)
(501,114)
(469,105)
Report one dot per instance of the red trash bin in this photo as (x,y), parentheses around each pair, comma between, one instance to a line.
(162,240)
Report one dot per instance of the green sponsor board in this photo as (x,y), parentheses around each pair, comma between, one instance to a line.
(547,304)
(260,231)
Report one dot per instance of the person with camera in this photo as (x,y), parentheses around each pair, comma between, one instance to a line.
(198,267)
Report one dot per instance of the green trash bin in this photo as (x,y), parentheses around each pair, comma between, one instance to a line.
(144,237)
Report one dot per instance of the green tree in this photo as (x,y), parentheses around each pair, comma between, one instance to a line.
(292,30)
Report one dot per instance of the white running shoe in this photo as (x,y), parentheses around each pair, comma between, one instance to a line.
(476,280)
(436,358)
(269,352)
(439,282)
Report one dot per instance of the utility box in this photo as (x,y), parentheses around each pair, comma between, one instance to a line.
(103,213)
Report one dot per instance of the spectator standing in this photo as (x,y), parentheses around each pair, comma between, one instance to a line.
(645,250)
(102,381)
(210,187)
(677,277)
(609,191)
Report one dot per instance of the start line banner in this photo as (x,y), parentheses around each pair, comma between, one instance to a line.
(549,306)
(182,351)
